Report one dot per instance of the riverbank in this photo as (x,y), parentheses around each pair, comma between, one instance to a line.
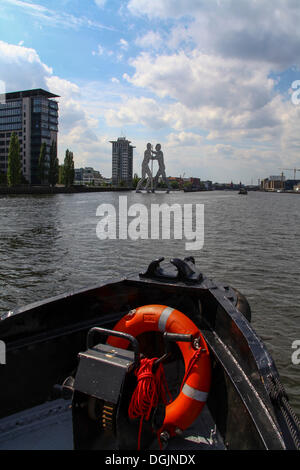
(56,189)
(6,190)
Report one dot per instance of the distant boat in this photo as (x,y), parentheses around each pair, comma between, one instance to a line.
(243,191)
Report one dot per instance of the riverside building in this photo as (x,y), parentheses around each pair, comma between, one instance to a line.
(33,116)
(122,161)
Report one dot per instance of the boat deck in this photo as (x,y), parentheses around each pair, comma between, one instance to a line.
(49,427)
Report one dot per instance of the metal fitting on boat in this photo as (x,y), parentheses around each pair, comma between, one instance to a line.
(131,313)
(178,432)
(164,436)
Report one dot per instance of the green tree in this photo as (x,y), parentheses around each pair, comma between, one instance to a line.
(68,171)
(61,174)
(14,169)
(135,180)
(3,178)
(54,165)
(42,163)
(174,185)
(187,185)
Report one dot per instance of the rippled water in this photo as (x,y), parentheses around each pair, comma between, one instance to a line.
(48,245)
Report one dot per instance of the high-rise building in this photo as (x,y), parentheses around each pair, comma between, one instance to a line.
(33,116)
(122,161)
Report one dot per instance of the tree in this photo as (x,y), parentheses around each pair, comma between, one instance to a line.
(3,178)
(42,163)
(54,165)
(174,185)
(135,180)
(187,185)
(14,169)
(61,174)
(68,171)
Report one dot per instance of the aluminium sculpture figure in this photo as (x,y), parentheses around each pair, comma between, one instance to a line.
(159,156)
(151,155)
(146,172)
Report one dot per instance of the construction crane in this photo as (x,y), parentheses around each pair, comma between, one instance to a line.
(291,169)
(181,180)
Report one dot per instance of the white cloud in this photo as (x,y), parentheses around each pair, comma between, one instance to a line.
(162,8)
(21,68)
(137,111)
(198,79)
(186,139)
(100,3)
(100,50)
(54,17)
(150,40)
(257,30)
(123,44)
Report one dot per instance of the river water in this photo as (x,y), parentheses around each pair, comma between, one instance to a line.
(48,246)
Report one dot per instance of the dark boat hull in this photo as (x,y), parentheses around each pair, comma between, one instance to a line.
(43,341)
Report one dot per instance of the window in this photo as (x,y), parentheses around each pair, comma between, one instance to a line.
(6,127)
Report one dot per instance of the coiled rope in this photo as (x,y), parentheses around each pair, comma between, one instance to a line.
(151,388)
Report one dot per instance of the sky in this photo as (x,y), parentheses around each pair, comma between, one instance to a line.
(215,82)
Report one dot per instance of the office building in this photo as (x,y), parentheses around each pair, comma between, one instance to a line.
(88,176)
(122,161)
(273,183)
(33,116)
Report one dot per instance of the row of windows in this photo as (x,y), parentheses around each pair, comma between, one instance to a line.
(6,120)
(10,112)
(5,149)
(11,104)
(45,133)
(4,158)
(45,115)
(40,109)
(9,127)
(40,101)
(6,142)
(53,104)
(8,134)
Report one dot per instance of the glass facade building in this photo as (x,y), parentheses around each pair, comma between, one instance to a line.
(33,115)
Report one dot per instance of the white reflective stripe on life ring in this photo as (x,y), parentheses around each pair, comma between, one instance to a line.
(164,318)
(193,393)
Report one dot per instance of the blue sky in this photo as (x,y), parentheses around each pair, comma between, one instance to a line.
(208,79)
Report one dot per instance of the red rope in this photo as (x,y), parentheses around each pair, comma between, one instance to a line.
(150,388)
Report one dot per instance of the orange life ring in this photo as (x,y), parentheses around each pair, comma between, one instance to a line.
(187,406)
